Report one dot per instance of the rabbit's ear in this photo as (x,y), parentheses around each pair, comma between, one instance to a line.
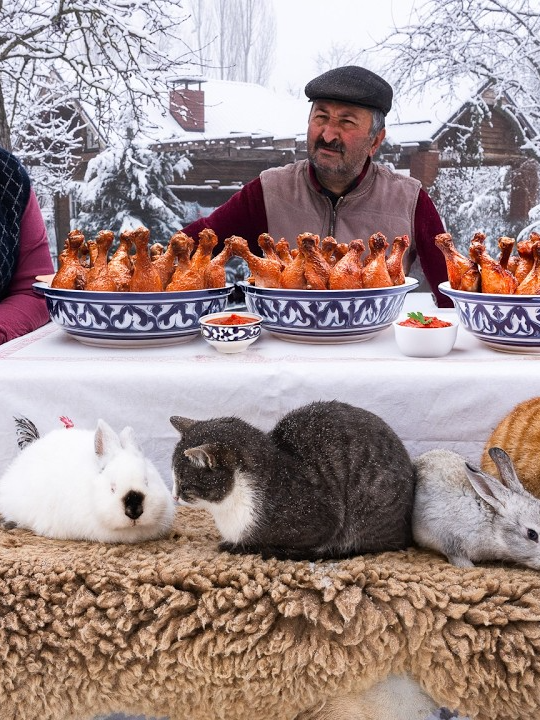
(181,423)
(202,456)
(128,439)
(106,442)
(506,469)
(487,487)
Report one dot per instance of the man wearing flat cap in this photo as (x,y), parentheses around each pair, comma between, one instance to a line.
(339,190)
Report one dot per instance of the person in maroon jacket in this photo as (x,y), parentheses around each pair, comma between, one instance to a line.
(339,190)
(24,252)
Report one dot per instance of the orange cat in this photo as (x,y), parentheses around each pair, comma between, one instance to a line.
(519,434)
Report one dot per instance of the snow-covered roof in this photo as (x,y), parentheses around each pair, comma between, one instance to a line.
(233,108)
(421,118)
(236,108)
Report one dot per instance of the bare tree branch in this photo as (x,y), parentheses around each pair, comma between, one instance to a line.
(495,41)
(101,49)
(240,41)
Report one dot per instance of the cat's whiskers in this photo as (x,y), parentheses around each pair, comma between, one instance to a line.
(236,514)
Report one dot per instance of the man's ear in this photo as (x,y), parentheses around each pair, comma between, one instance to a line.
(376,144)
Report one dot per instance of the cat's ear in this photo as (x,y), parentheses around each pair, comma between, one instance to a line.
(202,456)
(181,423)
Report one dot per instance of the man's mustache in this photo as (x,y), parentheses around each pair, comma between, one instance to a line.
(334,145)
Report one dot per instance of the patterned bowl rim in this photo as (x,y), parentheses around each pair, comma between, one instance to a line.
(359,293)
(129,298)
(492,298)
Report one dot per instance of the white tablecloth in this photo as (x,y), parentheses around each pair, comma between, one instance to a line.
(453,402)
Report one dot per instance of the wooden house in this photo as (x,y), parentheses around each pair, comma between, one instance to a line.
(231,131)
(499,138)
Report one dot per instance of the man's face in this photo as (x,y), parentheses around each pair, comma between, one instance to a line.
(339,141)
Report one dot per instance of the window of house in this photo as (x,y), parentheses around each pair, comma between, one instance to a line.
(92,140)
(74,206)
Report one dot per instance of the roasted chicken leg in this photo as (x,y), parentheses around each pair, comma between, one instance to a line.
(316,269)
(394,261)
(463,273)
(530,285)
(71,275)
(98,278)
(266,272)
(375,273)
(347,272)
(145,277)
(494,278)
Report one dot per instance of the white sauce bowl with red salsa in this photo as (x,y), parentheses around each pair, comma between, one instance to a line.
(231,332)
(425,336)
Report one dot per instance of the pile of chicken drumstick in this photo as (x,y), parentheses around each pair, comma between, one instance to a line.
(314,265)
(509,274)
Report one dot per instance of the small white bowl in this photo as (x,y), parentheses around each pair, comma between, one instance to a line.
(230,338)
(425,341)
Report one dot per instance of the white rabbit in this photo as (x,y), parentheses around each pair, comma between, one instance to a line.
(86,485)
(470,516)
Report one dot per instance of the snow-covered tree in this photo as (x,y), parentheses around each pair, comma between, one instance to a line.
(235,39)
(487,44)
(128,185)
(493,41)
(56,52)
(475,199)
(534,223)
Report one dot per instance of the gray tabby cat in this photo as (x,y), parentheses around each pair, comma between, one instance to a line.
(329,481)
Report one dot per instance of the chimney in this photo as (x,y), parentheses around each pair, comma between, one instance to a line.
(186,104)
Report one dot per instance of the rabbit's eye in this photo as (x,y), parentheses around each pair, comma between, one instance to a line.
(532,534)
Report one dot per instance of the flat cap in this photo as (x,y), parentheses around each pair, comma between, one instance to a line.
(352,84)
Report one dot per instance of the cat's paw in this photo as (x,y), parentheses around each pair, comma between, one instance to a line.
(240,549)
(229,547)
(8,524)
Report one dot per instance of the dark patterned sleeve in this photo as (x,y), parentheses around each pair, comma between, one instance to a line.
(427,224)
(243,214)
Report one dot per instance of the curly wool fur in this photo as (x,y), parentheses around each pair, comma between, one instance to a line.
(174,628)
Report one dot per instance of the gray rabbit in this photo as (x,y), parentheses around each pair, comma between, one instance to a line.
(470,516)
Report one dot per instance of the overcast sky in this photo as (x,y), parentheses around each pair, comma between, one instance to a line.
(308,27)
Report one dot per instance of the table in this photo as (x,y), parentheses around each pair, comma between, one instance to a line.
(125,598)
(452,402)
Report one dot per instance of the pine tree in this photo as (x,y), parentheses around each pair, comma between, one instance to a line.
(128,185)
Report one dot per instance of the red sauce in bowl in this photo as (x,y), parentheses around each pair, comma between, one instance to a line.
(430,321)
(232,319)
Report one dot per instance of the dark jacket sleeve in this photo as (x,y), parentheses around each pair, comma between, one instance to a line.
(427,224)
(243,214)
(23,310)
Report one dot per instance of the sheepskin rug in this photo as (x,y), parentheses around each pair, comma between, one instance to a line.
(175,629)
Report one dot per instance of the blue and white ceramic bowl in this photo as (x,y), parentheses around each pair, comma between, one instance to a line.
(327,316)
(510,323)
(231,338)
(131,319)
